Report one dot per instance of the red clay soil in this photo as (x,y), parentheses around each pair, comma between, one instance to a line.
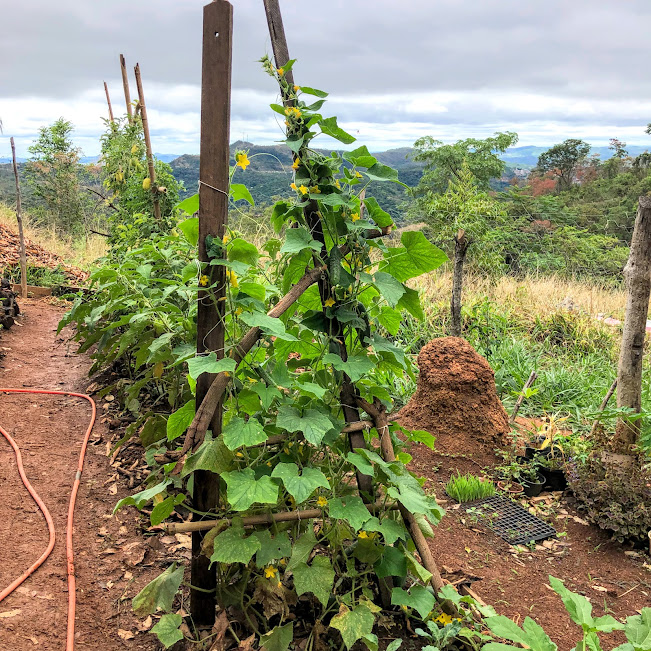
(113,559)
(514,580)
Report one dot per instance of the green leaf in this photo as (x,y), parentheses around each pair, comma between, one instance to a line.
(391,530)
(390,289)
(159,593)
(267,394)
(243,489)
(330,128)
(268,324)
(537,639)
(578,607)
(300,487)
(355,367)
(164,509)
(153,430)
(209,364)
(278,639)
(504,627)
(272,549)
(350,508)
(141,498)
(240,191)
(360,157)
(379,172)
(317,578)
(239,432)
(379,216)
(232,546)
(212,455)
(638,630)
(302,549)
(180,420)
(353,624)
(189,205)
(390,319)
(361,463)
(167,629)
(297,239)
(295,143)
(313,91)
(419,598)
(395,645)
(416,256)
(312,424)
(392,563)
(311,389)
(240,250)
(411,303)
(607,624)
(190,228)
(418,570)
(421,436)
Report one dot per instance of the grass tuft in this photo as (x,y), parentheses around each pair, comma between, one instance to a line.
(468,488)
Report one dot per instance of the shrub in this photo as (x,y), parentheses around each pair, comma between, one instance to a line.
(468,488)
(614,497)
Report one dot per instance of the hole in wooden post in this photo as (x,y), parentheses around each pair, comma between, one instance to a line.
(216,34)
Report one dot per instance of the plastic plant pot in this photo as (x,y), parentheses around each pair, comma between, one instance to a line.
(554,479)
(533,489)
(530,452)
(512,488)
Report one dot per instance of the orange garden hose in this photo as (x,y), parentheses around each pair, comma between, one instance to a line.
(70,639)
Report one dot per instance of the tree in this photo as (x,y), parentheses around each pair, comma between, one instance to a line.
(615,164)
(444,162)
(53,174)
(563,160)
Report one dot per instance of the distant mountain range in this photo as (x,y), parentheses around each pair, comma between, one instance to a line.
(86,160)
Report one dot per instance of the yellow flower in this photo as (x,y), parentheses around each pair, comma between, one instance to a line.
(322,501)
(226,238)
(242,159)
(281,72)
(297,113)
(330,302)
(286,123)
(270,572)
(134,149)
(355,216)
(302,189)
(286,450)
(146,184)
(204,280)
(362,535)
(296,88)
(288,110)
(269,463)
(337,184)
(358,175)
(293,186)
(239,454)
(283,562)
(296,163)
(444,619)
(315,190)
(238,311)
(232,277)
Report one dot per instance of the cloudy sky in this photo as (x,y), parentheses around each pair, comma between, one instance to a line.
(395,70)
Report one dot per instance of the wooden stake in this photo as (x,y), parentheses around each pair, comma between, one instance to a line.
(461,244)
(125,84)
(518,402)
(108,101)
(150,155)
(637,273)
(602,406)
(19,219)
(213,214)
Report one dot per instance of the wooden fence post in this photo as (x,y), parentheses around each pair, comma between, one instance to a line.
(19,218)
(150,154)
(108,101)
(461,244)
(637,274)
(213,214)
(125,84)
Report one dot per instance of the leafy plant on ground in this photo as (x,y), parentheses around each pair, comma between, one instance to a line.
(468,488)
(289,398)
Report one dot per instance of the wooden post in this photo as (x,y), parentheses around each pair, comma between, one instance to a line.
(19,218)
(125,84)
(150,155)
(637,274)
(213,213)
(108,101)
(518,403)
(461,244)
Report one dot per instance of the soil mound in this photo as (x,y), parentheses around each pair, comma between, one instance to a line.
(456,399)
(37,256)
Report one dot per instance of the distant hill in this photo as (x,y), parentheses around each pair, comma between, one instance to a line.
(528,156)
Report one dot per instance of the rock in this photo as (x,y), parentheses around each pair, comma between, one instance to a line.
(456,396)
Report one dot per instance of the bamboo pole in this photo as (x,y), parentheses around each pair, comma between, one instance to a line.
(264,518)
(150,155)
(19,219)
(125,85)
(602,406)
(518,402)
(108,101)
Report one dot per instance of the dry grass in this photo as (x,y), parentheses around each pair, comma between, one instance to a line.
(530,295)
(74,251)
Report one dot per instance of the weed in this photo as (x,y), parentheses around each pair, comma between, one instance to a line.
(468,488)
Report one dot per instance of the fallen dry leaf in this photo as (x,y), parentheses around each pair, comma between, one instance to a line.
(125,635)
(113,489)
(10,613)
(145,625)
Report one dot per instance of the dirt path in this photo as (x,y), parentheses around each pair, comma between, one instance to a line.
(113,560)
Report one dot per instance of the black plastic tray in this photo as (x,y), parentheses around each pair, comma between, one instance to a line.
(510,521)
